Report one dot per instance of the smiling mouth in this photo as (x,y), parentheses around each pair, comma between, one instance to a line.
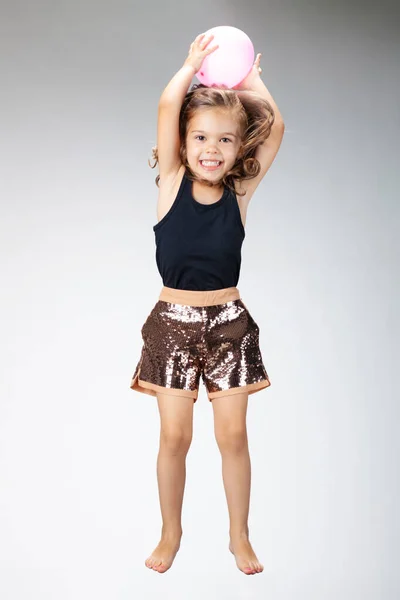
(210,165)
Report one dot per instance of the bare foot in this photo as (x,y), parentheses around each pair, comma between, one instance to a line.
(163,556)
(245,557)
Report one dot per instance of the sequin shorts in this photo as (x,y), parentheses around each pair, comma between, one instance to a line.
(189,334)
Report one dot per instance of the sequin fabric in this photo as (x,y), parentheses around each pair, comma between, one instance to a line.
(182,343)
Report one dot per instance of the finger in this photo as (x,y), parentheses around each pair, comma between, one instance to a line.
(199,39)
(207,40)
(209,50)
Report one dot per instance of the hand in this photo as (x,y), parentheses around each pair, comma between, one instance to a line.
(198,51)
(254,75)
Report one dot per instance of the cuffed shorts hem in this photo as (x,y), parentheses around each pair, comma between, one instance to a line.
(251,388)
(146,387)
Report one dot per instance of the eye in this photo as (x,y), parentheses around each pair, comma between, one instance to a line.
(202,136)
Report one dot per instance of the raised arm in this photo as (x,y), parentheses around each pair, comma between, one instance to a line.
(267,151)
(169,106)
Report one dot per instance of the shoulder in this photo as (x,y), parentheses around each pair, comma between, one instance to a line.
(168,182)
(169,186)
(243,193)
(265,154)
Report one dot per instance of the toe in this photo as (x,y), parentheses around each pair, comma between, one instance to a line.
(158,565)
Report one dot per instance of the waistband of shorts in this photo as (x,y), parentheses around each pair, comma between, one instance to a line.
(199,298)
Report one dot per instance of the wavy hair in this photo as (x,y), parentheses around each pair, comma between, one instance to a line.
(254,115)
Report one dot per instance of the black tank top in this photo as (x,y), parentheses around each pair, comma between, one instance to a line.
(198,246)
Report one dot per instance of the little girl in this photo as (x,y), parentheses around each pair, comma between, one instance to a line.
(214,146)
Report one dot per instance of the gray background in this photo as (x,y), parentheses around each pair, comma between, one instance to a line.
(79,513)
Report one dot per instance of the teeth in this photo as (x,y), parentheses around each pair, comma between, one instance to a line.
(210,163)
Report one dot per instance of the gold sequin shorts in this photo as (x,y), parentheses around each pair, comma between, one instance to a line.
(192,333)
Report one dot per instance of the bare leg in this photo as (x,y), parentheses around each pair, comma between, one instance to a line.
(176,420)
(231,435)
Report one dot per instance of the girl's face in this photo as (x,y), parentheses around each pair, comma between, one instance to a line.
(212,143)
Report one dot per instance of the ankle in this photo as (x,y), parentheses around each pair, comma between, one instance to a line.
(168,532)
(239,532)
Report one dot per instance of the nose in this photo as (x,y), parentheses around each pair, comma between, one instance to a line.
(212,149)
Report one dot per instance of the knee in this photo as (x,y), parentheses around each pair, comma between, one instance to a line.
(232,440)
(174,440)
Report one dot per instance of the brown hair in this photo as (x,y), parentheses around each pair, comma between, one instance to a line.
(255,118)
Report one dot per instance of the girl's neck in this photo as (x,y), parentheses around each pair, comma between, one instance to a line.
(206,195)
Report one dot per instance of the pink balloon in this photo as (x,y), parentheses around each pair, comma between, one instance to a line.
(231,62)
